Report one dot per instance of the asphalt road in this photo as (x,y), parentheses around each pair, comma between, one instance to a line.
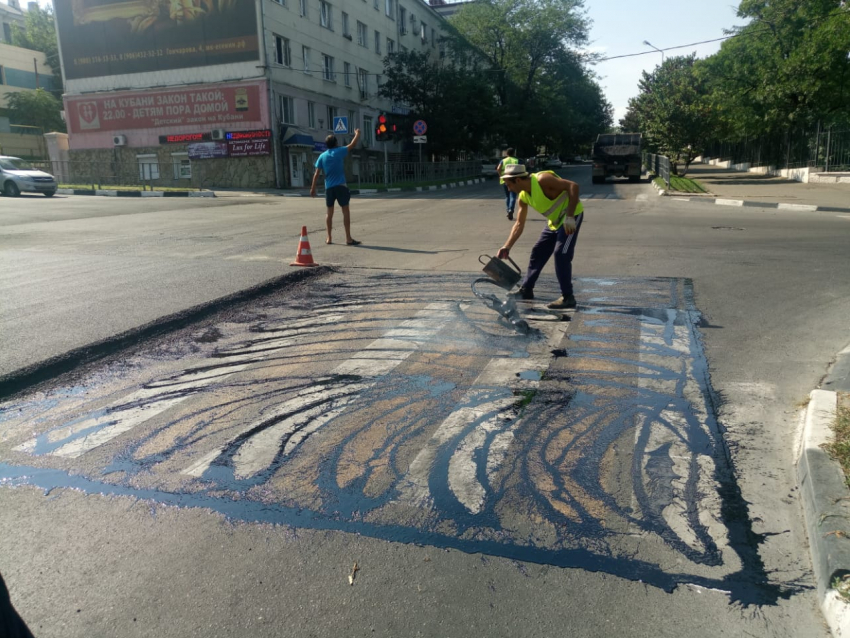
(609,482)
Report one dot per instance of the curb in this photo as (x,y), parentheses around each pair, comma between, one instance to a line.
(774,205)
(118,193)
(823,494)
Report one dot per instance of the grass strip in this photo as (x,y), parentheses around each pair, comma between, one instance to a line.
(686,185)
(839,447)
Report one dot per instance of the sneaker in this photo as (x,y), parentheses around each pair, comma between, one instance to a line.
(522,293)
(510,216)
(563,303)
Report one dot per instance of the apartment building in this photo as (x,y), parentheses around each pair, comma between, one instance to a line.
(11,14)
(22,70)
(243,95)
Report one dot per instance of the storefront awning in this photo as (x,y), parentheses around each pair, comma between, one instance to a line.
(299,140)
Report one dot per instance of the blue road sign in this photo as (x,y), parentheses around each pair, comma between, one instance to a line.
(419,127)
(341,125)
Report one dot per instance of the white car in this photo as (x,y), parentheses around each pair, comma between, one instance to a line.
(19,176)
(488,167)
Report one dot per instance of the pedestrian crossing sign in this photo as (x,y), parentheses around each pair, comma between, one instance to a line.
(341,125)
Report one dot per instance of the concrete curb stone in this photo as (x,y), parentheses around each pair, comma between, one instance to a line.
(120,193)
(826,506)
(772,205)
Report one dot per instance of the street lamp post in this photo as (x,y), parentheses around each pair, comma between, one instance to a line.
(656,48)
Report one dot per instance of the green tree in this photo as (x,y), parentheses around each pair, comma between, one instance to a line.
(35,108)
(441,94)
(39,34)
(673,109)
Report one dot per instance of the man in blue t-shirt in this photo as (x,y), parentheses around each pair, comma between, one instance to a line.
(331,163)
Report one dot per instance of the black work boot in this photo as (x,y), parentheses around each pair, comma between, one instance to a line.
(522,293)
(562,303)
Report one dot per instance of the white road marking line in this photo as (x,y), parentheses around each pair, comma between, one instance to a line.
(729,202)
(462,473)
(126,414)
(847,217)
(378,358)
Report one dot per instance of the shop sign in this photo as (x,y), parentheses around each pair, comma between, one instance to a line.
(249,147)
(320,146)
(183,138)
(248,135)
(207,150)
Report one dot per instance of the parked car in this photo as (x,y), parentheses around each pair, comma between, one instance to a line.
(19,176)
(554,162)
(488,167)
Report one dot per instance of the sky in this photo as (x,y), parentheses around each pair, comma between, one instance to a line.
(620,27)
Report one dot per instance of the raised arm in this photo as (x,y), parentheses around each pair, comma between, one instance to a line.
(356,139)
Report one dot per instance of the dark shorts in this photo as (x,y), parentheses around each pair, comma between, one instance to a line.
(339,193)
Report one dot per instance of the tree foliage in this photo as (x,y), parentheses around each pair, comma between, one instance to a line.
(787,70)
(511,77)
(673,109)
(35,108)
(39,34)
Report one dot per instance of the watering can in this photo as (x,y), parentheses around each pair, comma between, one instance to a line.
(502,274)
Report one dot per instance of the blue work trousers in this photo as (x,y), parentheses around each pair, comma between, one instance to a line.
(563,246)
(510,200)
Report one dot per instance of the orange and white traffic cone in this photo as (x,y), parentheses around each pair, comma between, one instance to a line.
(305,255)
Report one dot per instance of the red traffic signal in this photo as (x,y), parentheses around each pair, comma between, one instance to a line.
(382,133)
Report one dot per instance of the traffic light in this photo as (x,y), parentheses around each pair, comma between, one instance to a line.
(382,131)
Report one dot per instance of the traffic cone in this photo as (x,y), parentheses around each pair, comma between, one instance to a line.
(305,255)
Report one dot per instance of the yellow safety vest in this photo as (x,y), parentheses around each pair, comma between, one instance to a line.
(542,204)
(505,162)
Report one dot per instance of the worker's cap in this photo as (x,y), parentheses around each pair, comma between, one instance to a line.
(514,170)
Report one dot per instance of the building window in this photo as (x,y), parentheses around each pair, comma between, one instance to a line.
(304,12)
(361,34)
(368,131)
(287,109)
(402,18)
(328,68)
(413,29)
(424,33)
(389,9)
(148,167)
(433,39)
(352,120)
(331,115)
(283,2)
(390,46)
(377,43)
(377,5)
(326,15)
(181,165)
(311,114)
(363,82)
(305,53)
(2,81)
(282,52)
(346,32)
(442,49)
(346,67)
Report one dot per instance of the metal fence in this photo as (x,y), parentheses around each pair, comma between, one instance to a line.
(825,150)
(376,172)
(659,165)
(150,174)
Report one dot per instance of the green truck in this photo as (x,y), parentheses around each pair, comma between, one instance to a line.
(618,155)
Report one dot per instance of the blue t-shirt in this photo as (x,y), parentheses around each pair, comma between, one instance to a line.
(331,162)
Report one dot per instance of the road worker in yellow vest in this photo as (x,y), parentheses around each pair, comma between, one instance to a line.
(557,199)
(510,198)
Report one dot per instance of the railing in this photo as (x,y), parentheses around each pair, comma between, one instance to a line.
(143,175)
(659,165)
(825,150)
(398,173)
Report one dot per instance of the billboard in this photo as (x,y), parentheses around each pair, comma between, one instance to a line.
(202,107)
(117,37)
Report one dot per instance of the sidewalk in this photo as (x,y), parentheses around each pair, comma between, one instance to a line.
(734,185)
